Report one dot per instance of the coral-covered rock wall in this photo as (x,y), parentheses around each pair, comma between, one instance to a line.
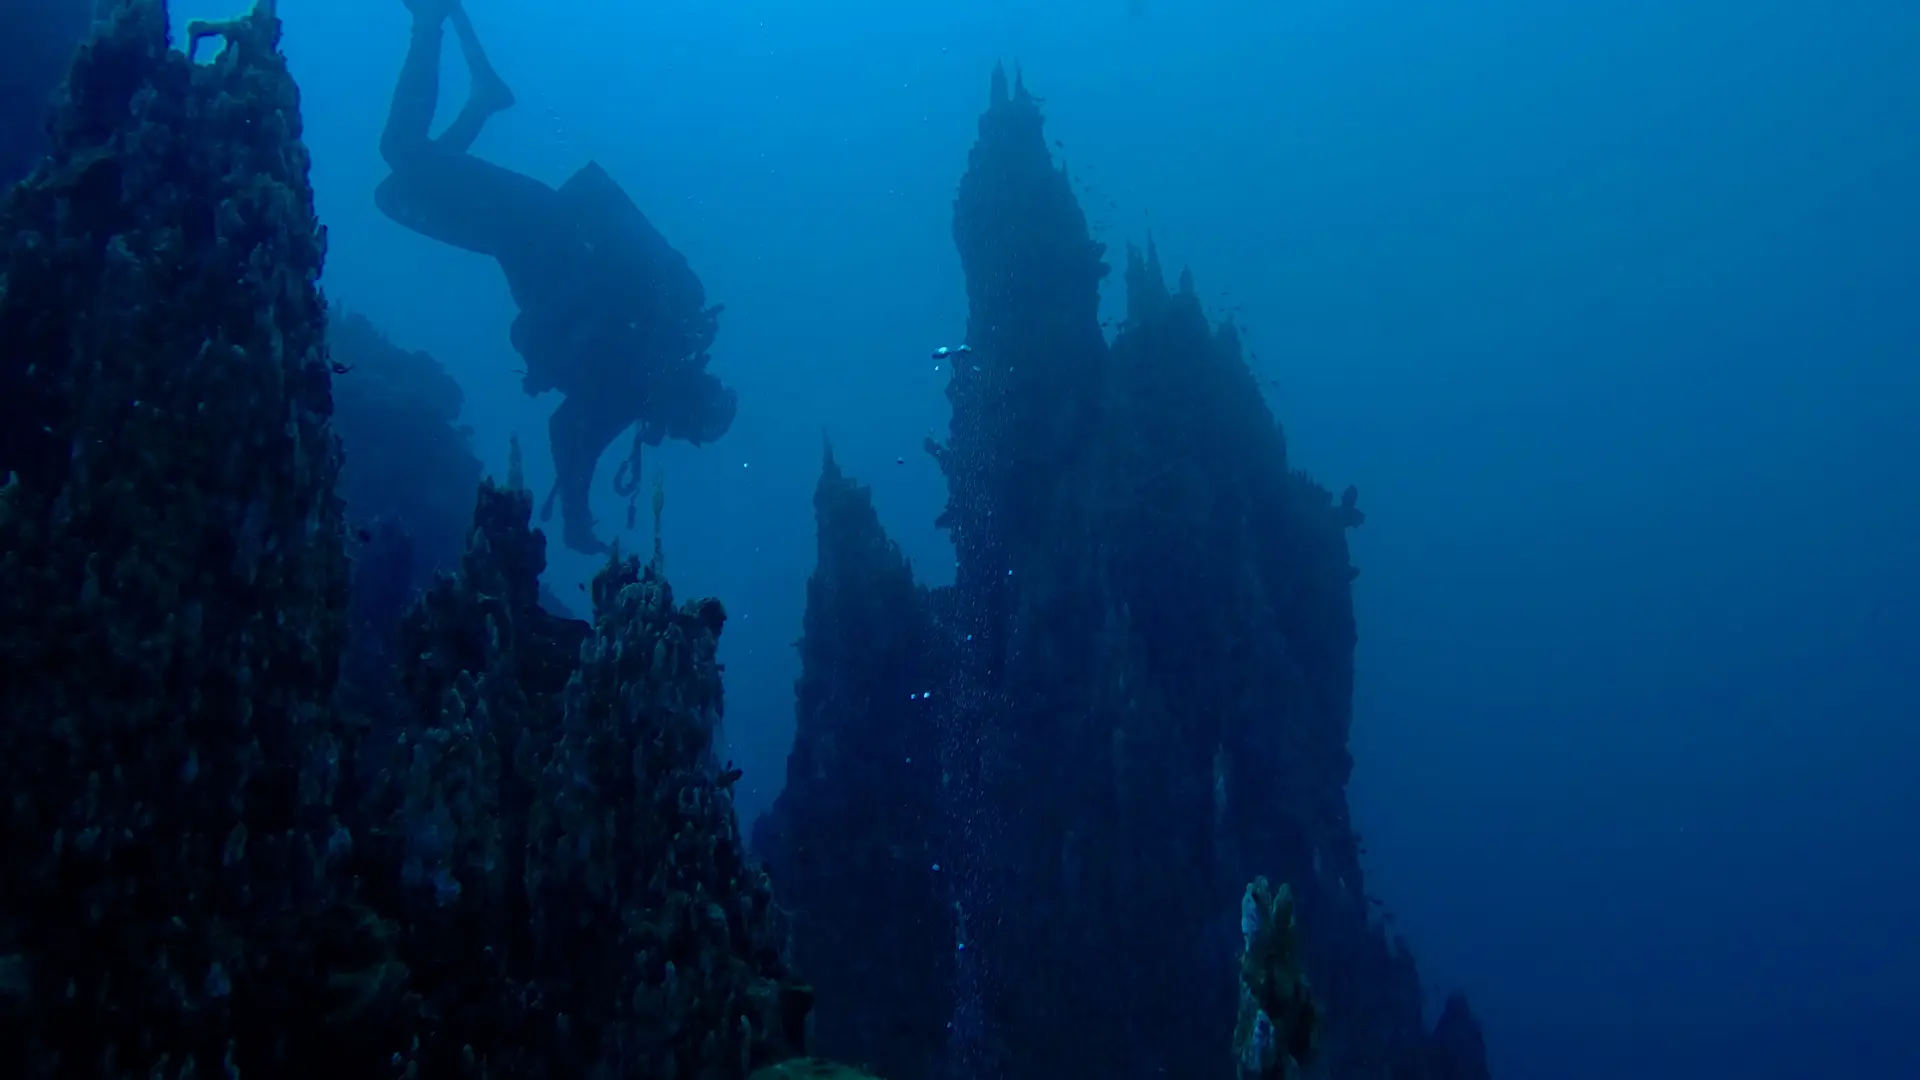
(864,702)
(174,580)
(214,859)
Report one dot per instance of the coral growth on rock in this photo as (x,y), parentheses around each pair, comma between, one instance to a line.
(864,705)
(555,844)
(174,580)
(526,863)
(810,1069)
(1146,675)
(1278,1029)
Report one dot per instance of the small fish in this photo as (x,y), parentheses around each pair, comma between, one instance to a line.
(943,352)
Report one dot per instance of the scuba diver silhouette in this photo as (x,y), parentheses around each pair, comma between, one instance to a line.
(610,314)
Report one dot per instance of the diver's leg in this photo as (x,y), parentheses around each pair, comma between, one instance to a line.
(437,189)
(416,95)
(580,431)
(488,95)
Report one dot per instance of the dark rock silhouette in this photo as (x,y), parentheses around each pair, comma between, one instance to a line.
(397,413)
(1144,677)
(525,864)
(864,705)
(407,481)
(172,599)
(1459,1049)
(553,842)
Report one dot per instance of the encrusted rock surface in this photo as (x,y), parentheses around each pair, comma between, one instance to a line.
(524,863)
(173,581)
(1143,682)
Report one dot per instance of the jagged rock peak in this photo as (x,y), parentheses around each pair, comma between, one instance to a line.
(1458,1046)
(1146,283)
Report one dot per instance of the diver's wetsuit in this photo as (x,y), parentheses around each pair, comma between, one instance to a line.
(610,313)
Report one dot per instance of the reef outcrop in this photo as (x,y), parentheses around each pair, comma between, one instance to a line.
(864,703)
(1458,1048)
(553,844)
(1278,1030)
(525,863)
(408,458)
(407,483)
(174,581)
(1143,673)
